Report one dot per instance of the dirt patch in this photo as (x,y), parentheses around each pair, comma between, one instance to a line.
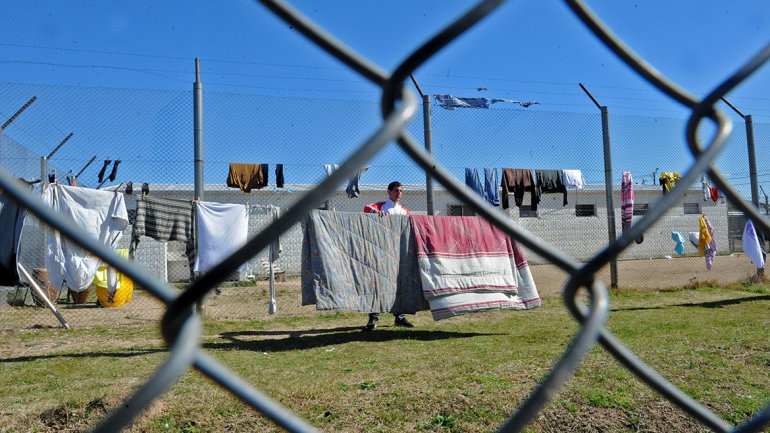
(80,418)
(654,274)
(653,417)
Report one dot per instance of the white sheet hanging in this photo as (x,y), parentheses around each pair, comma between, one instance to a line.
(101,214)
(751,247)
(221,228)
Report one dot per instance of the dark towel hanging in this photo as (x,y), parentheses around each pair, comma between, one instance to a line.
(266,169)
(104,169)
(145,188)
(130,188)
(279,175)
(114,172)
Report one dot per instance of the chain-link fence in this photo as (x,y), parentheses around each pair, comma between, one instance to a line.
(151,134)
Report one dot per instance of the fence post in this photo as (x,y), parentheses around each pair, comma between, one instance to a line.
(752,160)
(198,143)
(428,134)
(198,134)
(752,166)
(607,183)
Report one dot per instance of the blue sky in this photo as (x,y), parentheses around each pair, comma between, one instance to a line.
(527,50)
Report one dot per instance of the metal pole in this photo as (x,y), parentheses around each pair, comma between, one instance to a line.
(750,147)
(43,296)
(198,142)
(608,189)
(428,134)
(43,173)
(428,131)
(85,167)
(56,149)
(15,115)
(198,134)
(752,160)
(607,182)
(752,167)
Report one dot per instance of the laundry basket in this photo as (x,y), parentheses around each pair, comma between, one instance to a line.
(120,291)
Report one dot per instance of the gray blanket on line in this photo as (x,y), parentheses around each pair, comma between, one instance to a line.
(360,262)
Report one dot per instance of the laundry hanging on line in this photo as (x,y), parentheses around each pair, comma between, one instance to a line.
(573,179)
(709,192)
(12,218)
(679,239)
(488,188)
(450,102)
(101,214)
(220,229)
(707,245)
(279,175)
(491,182)
(467,265)
(473,181)
(626,200)
(71,180)
(104,169)
(247,176)
(352,189)
(550,182)
(354,262)
(751,245)
(518,181)
(668,180)
(164,220)
(114,173)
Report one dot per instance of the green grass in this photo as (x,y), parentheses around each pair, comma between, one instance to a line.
(465,374)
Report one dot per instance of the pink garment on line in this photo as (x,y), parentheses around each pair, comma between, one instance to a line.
(626,200)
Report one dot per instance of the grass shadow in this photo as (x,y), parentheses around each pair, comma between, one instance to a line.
(125,354)
(709,304)
(725,302)
(309,339)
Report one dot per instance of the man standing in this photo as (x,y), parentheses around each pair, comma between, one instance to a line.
(391,206)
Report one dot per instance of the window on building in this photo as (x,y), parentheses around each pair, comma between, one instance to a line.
(585,210)
(527,212)
(691,208)
(460,210)
(641,208)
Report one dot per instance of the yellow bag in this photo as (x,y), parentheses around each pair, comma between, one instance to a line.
(124,286)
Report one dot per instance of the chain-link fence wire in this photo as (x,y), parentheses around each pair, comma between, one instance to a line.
(181,327)
(305,134)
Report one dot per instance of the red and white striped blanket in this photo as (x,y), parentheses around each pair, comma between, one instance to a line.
(467,265)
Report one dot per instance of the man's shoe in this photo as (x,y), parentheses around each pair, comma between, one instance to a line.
(371,325)
(402,321)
